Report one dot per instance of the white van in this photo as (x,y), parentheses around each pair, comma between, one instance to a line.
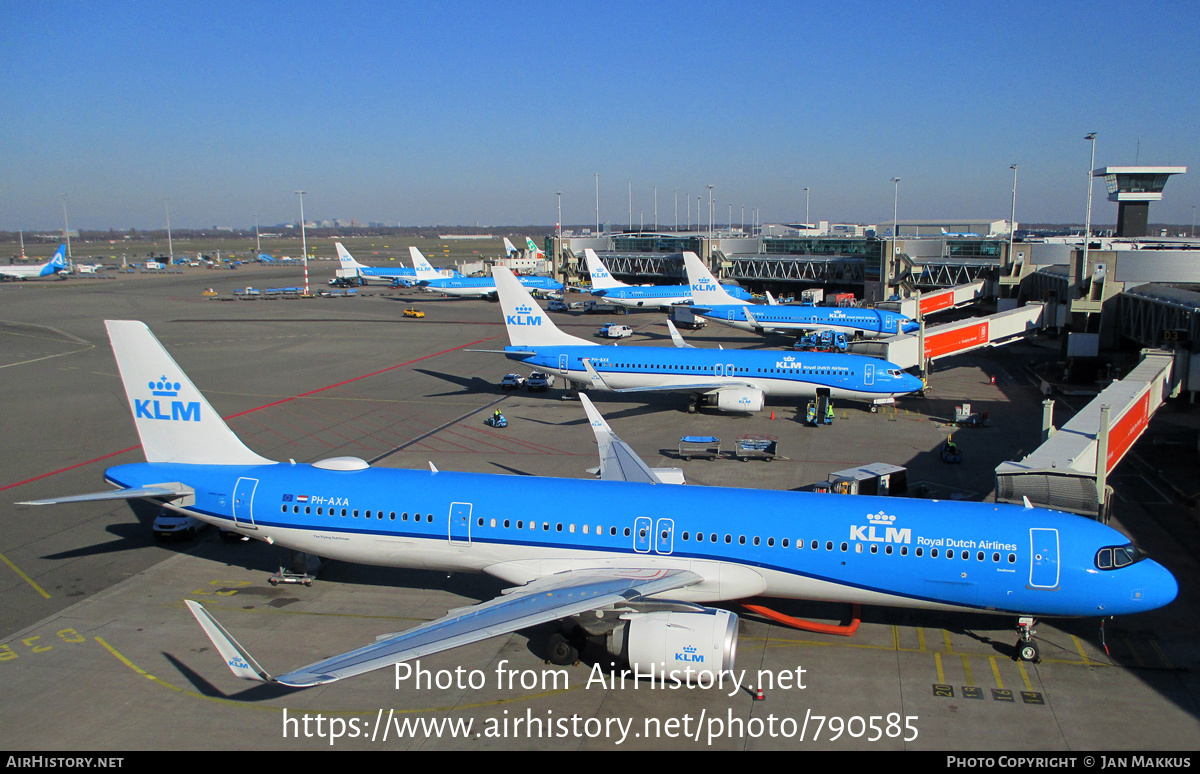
(614,331)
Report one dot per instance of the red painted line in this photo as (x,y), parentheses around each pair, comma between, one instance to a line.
(248,411)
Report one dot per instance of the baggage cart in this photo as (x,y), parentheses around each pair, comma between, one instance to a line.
(699,446)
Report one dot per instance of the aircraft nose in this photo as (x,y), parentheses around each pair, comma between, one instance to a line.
(909,326)
(1161,588)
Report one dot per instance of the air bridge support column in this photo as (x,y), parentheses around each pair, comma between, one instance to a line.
(1047,419)
(1102,465)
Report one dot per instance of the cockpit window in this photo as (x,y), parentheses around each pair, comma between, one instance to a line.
(1116,557)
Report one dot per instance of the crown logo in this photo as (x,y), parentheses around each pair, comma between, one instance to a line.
(164,388)
(881,518)
(524,309)
(689,649)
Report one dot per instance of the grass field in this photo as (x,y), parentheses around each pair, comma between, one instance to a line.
(372,251)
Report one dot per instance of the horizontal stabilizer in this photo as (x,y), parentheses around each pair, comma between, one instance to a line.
(166,492)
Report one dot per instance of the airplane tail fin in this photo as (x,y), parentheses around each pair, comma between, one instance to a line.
(528,325)
(174,421)
(509,249)
(533,250)
(422,267)
(706,291)
(345,259)
(602,279)
(60,257)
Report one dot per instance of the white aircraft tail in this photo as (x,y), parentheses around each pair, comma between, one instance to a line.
(532,250)
(509,249)
(602,279)
(528,324)
(174,421)
(706,291)
(345,259)
(422,267)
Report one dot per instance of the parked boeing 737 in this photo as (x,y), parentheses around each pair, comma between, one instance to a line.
(730,379)
(605,286)
(476,287)
(714,304)
(399,272)
(633,563)
(57,263)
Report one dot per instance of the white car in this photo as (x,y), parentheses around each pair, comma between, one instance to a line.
(170,524)
(512,381)
(539,381)
(614,331)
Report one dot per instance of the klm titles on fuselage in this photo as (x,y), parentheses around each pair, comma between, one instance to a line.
(173,411)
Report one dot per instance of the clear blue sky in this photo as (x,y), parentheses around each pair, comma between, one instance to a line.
(455,113)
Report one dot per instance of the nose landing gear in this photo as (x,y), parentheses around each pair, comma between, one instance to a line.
(1027,647)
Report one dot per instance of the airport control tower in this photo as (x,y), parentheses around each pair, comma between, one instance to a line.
(1133,188)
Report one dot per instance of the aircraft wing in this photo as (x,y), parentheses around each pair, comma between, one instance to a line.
(162,490)
(543,600)
(599,383)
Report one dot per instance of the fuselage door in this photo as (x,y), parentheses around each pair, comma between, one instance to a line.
(460,524)
(641,534)
(562,364)
(889,322)
(243,502)
(869,374)
(664,536)
(1043,558)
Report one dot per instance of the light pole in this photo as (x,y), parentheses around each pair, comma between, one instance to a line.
(806,220)
(677,213)
(597,204)
(710,213)
(630,183)
(1012,220)
(303,240)
(559,195)
(66,228)
(170,244)
(656,208)
(895,215)
(1087,225)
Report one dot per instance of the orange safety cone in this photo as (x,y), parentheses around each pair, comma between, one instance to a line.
(772,415)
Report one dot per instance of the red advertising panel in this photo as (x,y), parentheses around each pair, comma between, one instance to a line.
(936,301)
(957,340)
(1127,430)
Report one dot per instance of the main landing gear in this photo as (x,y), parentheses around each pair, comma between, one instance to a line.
(1027,647)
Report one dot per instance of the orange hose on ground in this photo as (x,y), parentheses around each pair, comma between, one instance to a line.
(844,630)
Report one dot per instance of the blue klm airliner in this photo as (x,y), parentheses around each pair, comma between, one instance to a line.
(57,263)
(714,304)
(477,287)
(653,296)
(732,380)
(639,558)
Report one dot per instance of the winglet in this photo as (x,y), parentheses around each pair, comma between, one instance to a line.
(771,299)
(597,380)
(678,339)
(618,462)
(750,319)
(241,663)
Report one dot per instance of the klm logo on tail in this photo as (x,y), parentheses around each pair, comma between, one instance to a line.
(174,410)
(524,316)
(704,287)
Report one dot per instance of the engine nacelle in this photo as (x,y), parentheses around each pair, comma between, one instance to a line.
(679,645)
(744,399)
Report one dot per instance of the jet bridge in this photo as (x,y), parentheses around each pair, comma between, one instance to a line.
(938,300)
(1063,472)
(955,338)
